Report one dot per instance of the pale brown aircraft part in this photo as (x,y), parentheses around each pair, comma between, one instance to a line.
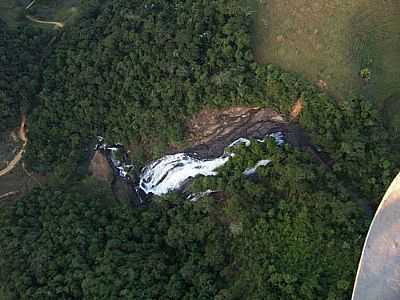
(378,275)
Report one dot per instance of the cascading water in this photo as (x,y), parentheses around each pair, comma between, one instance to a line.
(251,171)
(171,172)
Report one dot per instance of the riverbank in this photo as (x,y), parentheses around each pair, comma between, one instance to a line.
(211,135)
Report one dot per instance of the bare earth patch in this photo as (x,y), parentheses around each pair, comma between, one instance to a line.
(18,183)
(15,180)
(21,132)
(100,168)
(211,130)
(296,110)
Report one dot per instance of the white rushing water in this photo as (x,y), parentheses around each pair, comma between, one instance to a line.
(239,141)
(277,136)
(196,196)
(171,172)
(122,168)
(251,171)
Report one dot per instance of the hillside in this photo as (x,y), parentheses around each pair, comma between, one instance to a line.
(172,160)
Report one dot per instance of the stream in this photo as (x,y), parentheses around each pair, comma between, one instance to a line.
(173,171)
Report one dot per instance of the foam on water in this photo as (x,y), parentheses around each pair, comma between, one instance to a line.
(240,141)
(171,171)
(197,196)
(250,171)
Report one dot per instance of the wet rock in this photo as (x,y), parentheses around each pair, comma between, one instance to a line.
(124,192)
(100,168)
(210,131)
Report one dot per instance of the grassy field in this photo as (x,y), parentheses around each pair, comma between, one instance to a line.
(330,42)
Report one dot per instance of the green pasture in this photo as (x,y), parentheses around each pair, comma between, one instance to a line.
(330,42)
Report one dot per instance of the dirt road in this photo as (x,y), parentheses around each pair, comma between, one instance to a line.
(9,194)
(56,24)
(22,136)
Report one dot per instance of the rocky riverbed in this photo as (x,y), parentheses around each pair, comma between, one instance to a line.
(211,135)
(168,173)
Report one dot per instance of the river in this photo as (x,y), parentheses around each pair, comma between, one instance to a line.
(171,172)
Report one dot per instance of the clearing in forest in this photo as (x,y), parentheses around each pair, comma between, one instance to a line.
(332,42)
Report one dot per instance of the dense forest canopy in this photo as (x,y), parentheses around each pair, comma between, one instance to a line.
(20,55)
(134,72)
(278,237)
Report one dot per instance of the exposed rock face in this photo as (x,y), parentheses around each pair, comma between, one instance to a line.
(100,168)
(124,192)
(210,131)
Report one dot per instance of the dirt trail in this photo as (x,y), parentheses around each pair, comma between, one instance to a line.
(33,19)
(22,136)
(9,194)
(56,24)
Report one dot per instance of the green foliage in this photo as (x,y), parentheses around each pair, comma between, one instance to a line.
(71,244)
(128,67)
(365,74)
(352,132)
(301,229)
(20,53)
(291,233)
(134,71)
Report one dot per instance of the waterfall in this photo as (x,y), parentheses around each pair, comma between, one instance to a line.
(171,172)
